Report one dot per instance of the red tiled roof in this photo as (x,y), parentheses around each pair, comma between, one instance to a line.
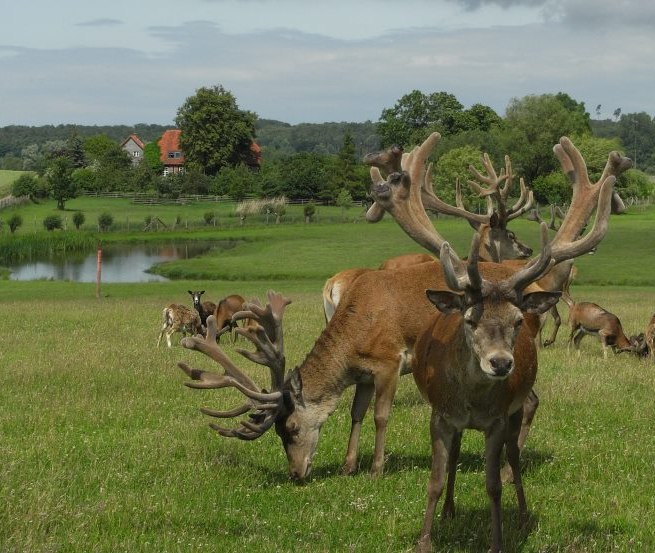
(170,142)
(136,139)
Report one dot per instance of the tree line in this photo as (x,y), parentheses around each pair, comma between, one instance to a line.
(322,161)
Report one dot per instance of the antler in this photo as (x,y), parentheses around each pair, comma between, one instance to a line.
(400,195)
(585,194)
(500,193)
(263,406)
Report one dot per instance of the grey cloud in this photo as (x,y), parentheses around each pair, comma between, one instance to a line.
(471,5)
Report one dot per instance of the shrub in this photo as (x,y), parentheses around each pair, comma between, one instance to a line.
(14,222)
(105,221)
(309,211)
(78,219)
(209,217)
(52,222)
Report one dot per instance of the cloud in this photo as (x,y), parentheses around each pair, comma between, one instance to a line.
(103,22)
(299,77)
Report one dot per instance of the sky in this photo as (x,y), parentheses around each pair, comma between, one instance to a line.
(125,62)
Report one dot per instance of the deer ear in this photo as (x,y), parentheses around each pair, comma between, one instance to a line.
(190,292)
(539,302)
(202,292)
(446,301)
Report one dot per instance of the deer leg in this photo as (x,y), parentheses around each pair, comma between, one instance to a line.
(530,406)
(442,437)
(169,333)
(385,390)
(557,321)
(495,438)
(513,446)
(361,401)
(448,510)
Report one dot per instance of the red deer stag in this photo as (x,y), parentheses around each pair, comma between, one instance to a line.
(588,318)
(178,318)
(476,362)
(368,343)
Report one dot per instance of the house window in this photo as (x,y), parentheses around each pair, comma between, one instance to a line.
(136,154)
(174,155)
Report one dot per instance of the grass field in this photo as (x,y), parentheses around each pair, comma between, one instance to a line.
(103,449)
(7,178)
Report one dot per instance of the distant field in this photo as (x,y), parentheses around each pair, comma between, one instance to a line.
(6,180)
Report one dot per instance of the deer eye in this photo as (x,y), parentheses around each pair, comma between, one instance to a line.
(518,323)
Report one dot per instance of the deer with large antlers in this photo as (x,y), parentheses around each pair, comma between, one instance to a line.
(476,362)
(368,343)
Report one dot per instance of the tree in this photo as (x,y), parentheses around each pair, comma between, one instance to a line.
(215,132)
(304,176)
(105,221)
(416,115)
(96,146)
(59,176)
(344,201)
(533,124)
(454,165)
(52,222)
(25,185)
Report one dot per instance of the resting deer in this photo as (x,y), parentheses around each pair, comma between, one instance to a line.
(368,343)
(588,318)
(204,308)
(178,318)
(476,362)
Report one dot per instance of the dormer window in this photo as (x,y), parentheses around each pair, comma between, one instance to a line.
(174,155)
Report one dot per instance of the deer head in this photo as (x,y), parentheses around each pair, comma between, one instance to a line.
(282,406)
(498,242)
(195,296)
(493,312)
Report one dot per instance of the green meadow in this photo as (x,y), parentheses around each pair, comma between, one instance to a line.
(103,449)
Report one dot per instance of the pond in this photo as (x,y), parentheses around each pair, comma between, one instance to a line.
(120,263)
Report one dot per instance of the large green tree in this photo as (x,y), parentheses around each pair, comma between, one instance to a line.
(416,115)
(533,124)
(215,132)
(59,176)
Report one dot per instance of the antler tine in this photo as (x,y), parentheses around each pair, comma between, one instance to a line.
(435,204)
(537,267)
(401,196)
(523,204)
(585,194)
(209,347)
(574,248)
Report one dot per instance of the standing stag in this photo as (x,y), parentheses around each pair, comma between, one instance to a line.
(476,362)
(368,343)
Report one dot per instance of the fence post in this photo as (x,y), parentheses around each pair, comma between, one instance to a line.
(98,271)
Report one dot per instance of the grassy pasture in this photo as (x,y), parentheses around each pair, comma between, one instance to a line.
(7,178)
(104,449)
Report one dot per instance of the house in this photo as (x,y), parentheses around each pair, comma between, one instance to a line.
(134,146)
(170,152)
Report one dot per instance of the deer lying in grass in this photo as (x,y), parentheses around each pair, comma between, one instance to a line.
(204,308)
(178,318)
(368,343)
(588,318)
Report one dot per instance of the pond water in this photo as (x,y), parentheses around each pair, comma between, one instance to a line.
(120,263)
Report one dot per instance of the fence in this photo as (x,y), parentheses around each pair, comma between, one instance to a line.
(8,201)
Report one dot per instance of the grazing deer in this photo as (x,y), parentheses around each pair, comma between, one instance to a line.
(476,362)
(205,308)
(225,309)
(178,318)
(368,343)
(649,337)
(588,318)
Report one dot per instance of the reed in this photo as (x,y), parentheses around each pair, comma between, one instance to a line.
(16,247)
